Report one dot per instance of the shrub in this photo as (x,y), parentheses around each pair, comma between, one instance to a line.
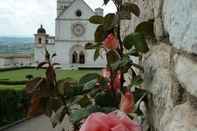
(13,105)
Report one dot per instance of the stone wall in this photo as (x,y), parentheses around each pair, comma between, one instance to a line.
(171,64)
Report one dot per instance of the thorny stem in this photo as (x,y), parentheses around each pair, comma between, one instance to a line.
(120,41)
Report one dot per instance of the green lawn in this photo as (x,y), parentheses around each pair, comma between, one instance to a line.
(19,75)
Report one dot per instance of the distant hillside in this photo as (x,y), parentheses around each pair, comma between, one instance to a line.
(16,45)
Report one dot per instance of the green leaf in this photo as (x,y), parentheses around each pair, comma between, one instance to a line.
(52,104)
(110,21)
(84,101)
(96,19)
(138,102)
(128,42)
(88,77)
(90,85)
(105,99)
(97,108)
(132,8)
(78,115)
(103,82)
(146,28)
(137,81)
(66,86)
(89,46)
(112,57)
(58,116)
(100,34)
(139,42)
(124,64)
(97,53)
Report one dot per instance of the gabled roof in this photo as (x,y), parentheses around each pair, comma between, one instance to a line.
(71,6)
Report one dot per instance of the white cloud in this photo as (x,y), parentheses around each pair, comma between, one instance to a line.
(23,17)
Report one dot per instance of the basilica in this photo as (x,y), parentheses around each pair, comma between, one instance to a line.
(72,32)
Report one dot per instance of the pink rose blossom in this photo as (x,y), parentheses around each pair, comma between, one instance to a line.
(111,42)
(127,102)
(109,122)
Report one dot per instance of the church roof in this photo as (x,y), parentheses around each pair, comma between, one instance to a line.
(72,4)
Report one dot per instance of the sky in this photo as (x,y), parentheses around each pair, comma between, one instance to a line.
(21,18)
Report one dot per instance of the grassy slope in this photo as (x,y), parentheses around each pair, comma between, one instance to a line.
(19,75)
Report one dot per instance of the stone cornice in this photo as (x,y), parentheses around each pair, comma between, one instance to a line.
(74,40)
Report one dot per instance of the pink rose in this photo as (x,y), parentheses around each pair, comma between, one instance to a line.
(127,102)
(111,42)
(109,122)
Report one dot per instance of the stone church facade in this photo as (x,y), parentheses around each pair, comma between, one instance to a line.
(72,32)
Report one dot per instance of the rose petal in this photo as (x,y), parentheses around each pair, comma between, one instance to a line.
(111,42)
(120,127)
(109,122)
(96,122)
(130,124)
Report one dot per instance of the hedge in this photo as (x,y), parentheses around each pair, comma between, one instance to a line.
(4,82)
(13,105)
(16,68)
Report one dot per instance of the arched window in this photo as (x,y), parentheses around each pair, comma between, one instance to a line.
(78,13)
(81,58)
(39,41)
(74,57)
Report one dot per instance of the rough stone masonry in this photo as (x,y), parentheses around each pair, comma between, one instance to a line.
(171,64)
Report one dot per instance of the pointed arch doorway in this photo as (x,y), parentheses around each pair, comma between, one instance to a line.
(78,55)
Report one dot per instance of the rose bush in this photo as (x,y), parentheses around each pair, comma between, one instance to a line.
(99,92)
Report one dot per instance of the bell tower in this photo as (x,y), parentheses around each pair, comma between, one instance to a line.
(63,5)
(41,38)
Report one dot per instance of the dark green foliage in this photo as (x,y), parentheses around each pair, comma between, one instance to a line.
(106,99)
(13,106)
(109,22)
(100,34)
(88,77)
(96,19)
(138,40)
(12,82)
(128,42)
(146,28)
(131,8)
(112,57)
